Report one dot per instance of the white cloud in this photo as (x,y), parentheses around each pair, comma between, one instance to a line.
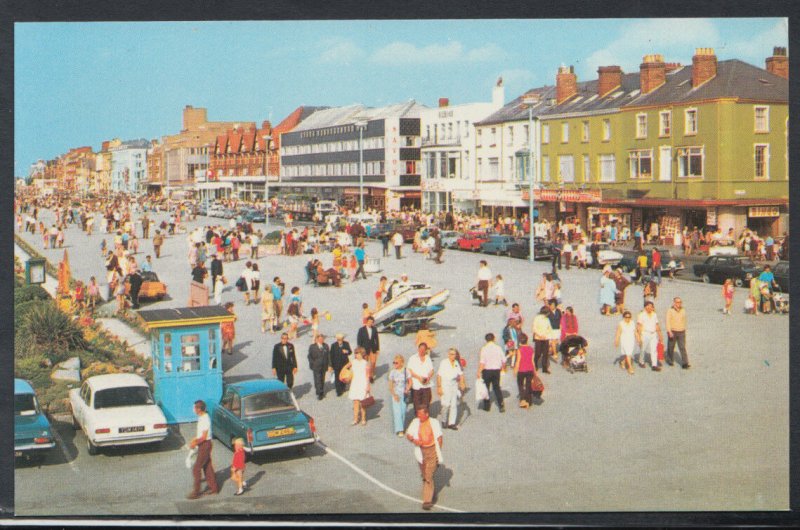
(675,38)
(756,47)
(340,52)
(400,52)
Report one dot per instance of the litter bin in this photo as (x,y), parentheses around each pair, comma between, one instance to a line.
(372,265)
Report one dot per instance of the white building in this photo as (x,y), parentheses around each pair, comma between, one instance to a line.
(448,152)
(129,166)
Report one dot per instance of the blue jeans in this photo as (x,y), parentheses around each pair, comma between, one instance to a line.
(398,414)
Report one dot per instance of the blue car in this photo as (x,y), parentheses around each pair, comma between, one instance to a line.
(497,244)
(264,413)
(33,436)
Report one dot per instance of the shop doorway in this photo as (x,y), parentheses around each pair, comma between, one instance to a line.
(695,218)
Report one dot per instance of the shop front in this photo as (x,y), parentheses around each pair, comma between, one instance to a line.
(374,198)
(766,220)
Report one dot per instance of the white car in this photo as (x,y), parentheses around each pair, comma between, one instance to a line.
(723,248)
(117,409)
(605,255)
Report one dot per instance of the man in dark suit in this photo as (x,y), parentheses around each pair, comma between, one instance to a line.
(340,356)
(367,338)
(216,271)
(319,362)
(284,362)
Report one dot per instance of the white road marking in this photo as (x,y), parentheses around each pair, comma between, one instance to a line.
(61,446)
(378,482)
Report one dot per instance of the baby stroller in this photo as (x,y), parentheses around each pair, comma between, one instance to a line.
(573,351)
(781,300)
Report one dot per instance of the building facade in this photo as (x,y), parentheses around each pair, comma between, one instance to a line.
(320,157)
(449,154)
(129,166)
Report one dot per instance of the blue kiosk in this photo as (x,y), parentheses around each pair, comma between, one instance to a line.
(186,346)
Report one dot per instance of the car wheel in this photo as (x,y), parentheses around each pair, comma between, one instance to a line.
(75,424)
(738,282)
(498,253)
(706,278)
(90,447)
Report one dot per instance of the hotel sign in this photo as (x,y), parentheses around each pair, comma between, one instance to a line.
(562,195)
(763,211)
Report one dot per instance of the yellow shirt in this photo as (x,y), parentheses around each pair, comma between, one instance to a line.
(676,319)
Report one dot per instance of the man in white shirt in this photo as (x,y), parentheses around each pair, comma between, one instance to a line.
(491,361)
(202,441)
(484,277)
(397,241)
(426,434)
(420,369)
(648,334)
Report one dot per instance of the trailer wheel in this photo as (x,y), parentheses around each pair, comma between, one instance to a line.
(399,329)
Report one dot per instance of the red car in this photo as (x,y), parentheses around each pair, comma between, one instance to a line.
(472,240)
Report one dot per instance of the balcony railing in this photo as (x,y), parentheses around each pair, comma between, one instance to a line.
(428,141)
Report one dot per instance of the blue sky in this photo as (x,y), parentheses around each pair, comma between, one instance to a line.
(81,83)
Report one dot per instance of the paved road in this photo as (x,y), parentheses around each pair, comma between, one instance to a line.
(711,438)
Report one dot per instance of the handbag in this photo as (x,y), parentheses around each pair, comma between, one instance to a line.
(345,375)
(368,401)
(241,284)
(660,351)
(536,384)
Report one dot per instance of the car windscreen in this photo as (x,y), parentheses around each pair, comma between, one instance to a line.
(24,405)
(268,402)
(126,396)
(745,262)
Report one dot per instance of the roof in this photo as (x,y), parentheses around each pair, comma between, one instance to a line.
(185,316)
(254,386)
(332,117)
(516,110)
(102,382)
(587,99)
(734,79)
(21,386)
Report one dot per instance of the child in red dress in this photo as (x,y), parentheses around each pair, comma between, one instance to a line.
(237,467)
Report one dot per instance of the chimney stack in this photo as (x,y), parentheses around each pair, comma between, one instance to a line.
(566,84)
(652,73)
(672,66)
(778,64)
(608,78)
(443,102)
(704,66)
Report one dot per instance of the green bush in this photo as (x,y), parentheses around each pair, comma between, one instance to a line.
(50,332)
(55,398)
(31,368)
(22,309)
(30,292)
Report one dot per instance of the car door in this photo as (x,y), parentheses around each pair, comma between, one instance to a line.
(221,419)
(80,410)
(727,268)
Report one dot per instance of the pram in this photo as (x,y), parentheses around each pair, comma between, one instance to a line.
(781,300)
(573,351)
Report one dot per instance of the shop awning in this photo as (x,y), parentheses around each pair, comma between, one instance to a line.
(653,202)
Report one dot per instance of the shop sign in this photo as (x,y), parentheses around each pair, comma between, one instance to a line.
(564,195)
(591,210)
(763,211)
(711,216)
(618,211)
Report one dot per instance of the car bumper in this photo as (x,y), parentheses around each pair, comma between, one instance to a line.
(281,445)
(30,448)
(130,440)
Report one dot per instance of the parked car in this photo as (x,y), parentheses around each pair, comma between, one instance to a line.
(472,240)
(605,255)
(201,210)
(449,238)
(781,272)
(152,288)
(497,244)
(377,230)
(265,414)
(668,261)
(216,211)
(254,216)
(33,436)
(116,409)
(723,248)
(718,268)
(520,248)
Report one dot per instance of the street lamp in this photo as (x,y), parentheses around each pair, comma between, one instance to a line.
(267,143)
(530,100)
(361,124)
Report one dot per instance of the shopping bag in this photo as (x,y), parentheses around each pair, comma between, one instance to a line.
(329,377)
(191,458)
(345,375)
(536,384)
(660,351)
(481,392)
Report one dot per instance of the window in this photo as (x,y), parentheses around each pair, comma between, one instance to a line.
(761,119)
(606,130)
(466,128)
(585,131)
(510,140)
(761,156)
(452,167)
(664,123)
(527,131)
(690,126)
(546,168)
(493,138)
(546,133)
(641,125)
(479,139)
(566,168)
(665,163)
(641,163)
(510,166)
(587,169)
(494,169)
(564,133)
(411,167)
(690,162)
(607,168)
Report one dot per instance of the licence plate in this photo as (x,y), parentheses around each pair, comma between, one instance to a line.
(140,428)
(280,432)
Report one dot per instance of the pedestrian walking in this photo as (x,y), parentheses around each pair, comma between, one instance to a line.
(284,361)
(216,271)
(158,240)
(524,369)
(228,331)
(625,339)
(399,387)
(255,283)
(676,333)
(500,291)
(450,386)
(397,241)
(359,385)
(340,356)
(203,464)
(648,335)
(380,292)
(135,280)
(491,362)
(542,331)
(727,295)
(420,371)
(426,434)
(360,256)
(367,338)
(319,363)
(484,277)
(238,466)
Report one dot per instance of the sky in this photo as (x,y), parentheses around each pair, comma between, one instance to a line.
(78,84)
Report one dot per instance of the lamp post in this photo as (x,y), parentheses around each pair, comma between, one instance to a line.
(361,124)
(530,100)
(267,143)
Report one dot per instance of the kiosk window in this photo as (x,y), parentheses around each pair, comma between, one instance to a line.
(190,352)
(167,358)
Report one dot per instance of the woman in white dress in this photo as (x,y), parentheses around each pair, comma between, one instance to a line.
(359,384)
(625,339)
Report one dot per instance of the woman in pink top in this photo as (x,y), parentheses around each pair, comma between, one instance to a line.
(524,368)
(569,324)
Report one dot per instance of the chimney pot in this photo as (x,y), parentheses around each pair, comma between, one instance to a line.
(778,64)
(443,102)
(704,66)
(608,78)
(652,73)
(566,84)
